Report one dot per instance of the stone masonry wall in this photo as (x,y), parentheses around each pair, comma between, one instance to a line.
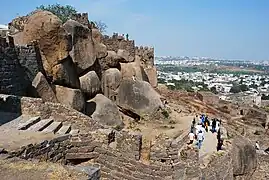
(30,60)
(12,79)
(166,151)
(114,43)
(58,112)
(53,150)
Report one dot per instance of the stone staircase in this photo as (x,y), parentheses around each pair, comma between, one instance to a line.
(47,126)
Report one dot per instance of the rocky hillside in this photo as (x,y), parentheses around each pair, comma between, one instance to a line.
(75,65)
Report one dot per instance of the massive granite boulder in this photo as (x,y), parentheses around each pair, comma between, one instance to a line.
(87,46)
(73,98)
(65,74)
(46,28)
(103,110)
(152,76)
(244,157)
(110,61)
(83,52)
(138,97)
(43,88)
(90,84)
(133,69)
(110,82)
(125,56)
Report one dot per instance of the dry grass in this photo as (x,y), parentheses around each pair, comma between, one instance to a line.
(43,170)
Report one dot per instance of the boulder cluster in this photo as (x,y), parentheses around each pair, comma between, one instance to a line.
(79,71)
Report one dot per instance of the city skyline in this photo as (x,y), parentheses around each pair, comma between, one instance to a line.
(222,29)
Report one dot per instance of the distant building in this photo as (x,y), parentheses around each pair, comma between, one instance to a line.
(3,30)
(208,97)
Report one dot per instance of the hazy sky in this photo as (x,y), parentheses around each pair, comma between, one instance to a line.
(234,29)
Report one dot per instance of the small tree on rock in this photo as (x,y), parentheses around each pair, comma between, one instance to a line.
(101,26)
(63,12)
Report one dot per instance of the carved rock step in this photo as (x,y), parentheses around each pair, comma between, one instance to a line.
(64,129)
(41,125)
(74,131)
(53,127)
(29,123)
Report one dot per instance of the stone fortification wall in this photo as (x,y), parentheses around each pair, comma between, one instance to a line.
(82,18)
(166,151)
(19,66)
(12,75)
(30,59)
(146,55)
(118,42)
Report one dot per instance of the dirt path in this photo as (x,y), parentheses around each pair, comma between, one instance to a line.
(209,145)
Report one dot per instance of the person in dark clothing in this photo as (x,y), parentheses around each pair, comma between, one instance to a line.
(220,141)
(127,37)
(193,122)
(267,150)
(207,123)
(214,123)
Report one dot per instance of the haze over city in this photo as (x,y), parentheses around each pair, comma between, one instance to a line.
(221,29)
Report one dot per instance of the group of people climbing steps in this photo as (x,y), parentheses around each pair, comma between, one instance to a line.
(201,125)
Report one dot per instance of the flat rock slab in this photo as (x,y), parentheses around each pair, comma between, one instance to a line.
(12,139)
(41,125)
(53,127)
(30,122)
(74,131)
(64,129)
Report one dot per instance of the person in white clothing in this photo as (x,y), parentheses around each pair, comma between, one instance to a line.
(257,146)
(191,137)
(200,138)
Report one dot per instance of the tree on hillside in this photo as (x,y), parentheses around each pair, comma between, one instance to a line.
(235,89)
(63,12)
(101,26)
(214,90)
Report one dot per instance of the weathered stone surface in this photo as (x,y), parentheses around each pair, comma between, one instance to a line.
(101,50)
(83,52)
(90,83)
(70,97)
(244,157)
(152,76)
(125,56)
(96,35)
(65,74)
(46,28)
(110,82)
(133,69)
(110,61)
(43,88)
(138,96)
(103,110)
